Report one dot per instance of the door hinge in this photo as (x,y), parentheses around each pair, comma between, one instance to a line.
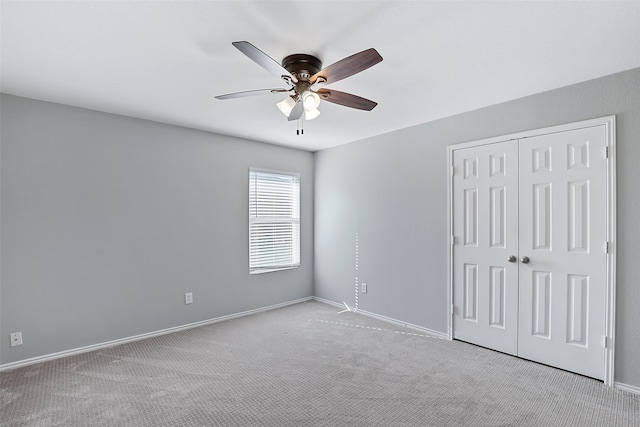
(453,240)
(453,170)
(606,247)
(606,152)
(453,310)
(606,342)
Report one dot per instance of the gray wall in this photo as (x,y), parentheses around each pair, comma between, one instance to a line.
(391,191)
(107,221)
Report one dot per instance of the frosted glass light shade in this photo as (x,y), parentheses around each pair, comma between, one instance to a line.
(310,100)
(286,105)
(311,114)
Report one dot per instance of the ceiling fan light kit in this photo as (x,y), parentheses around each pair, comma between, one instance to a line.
(305,78)
(311,100)
(311,114)
(286,105)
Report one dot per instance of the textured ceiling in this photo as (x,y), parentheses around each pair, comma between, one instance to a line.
(165,61)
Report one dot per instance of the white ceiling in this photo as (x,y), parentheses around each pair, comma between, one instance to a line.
(165,61)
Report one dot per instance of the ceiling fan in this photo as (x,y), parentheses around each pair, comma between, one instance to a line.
(305,80)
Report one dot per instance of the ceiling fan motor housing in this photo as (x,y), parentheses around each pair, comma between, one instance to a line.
(301,65)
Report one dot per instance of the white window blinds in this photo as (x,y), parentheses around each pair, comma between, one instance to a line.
(274,221)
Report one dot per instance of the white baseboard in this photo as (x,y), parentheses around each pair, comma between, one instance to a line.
(627,387)
(421,329)
(99,346)
(326,301)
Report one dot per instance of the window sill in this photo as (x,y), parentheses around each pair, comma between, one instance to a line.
(269,270)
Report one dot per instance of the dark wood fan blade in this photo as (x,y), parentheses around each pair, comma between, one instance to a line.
(348,66)
(297,111)
(262,59)
(251,93)
(346,99)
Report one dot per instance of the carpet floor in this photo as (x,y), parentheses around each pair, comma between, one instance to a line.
(305,365)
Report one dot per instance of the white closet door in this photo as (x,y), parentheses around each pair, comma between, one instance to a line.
(563,233)
(485,209)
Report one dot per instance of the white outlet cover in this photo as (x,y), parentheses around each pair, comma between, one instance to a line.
(16,339)
(188,298)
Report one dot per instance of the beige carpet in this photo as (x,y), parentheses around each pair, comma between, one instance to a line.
(305,365)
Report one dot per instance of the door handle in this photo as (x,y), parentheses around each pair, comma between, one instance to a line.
(524,260)
(512,258)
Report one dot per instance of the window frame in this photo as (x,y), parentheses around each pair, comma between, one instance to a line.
(257,266)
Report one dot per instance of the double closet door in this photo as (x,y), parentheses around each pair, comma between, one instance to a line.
(529,248)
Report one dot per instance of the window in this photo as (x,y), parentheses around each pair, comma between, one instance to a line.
(274,221)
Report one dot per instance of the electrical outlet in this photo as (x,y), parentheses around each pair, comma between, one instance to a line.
(188,298)
(364,288)
(16,339)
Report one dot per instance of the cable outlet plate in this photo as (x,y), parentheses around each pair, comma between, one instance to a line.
(363,288)
(16,339)
(188,298)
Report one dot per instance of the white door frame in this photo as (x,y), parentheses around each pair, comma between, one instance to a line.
(610,128)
